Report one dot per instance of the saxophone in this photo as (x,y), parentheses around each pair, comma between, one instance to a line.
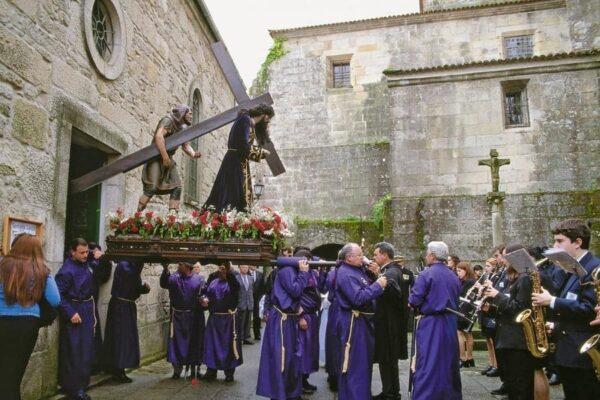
(534,324)
(592,345)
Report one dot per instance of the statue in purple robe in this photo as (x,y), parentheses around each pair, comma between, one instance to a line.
(222,341)
(186,330)
(122,343)
(436,374)
(75,283)
(356,291)
(279,374)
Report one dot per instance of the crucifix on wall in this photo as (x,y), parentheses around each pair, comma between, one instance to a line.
(140,157)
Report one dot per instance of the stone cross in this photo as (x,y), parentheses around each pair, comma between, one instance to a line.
(495,163)
(496,197)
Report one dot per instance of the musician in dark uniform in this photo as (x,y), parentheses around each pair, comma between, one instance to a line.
(488,323)
(465,337)
(518,364)
(390,316)
(502,285)
(573,310)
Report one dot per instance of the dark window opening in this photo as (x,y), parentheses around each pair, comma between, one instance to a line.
(518,46)
(341,75)
(516,112)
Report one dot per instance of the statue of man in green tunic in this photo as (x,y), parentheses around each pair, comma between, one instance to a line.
(160,175)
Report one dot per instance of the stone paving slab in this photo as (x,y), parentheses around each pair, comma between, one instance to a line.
(153,382)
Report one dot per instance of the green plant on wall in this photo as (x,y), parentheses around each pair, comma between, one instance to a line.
(276,51)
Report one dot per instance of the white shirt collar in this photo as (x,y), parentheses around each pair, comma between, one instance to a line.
(583,255)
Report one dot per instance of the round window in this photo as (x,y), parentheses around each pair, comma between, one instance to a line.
(105,36)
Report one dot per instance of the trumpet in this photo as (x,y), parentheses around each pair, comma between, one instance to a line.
(592,345)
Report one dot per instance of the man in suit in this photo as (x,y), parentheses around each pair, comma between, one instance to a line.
(259,291)
(573,310)
(245,303)
(390,322)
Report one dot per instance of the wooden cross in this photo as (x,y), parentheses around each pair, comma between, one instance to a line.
(140,157)
(495,163)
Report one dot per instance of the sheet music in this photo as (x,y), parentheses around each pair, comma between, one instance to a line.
(565,261)
(521,261)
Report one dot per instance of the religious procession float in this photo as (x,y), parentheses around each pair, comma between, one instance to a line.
(252,237)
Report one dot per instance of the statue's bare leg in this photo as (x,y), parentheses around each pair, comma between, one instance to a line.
(143,202)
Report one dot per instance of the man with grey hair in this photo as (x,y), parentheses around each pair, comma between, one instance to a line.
(356,291)
(435,372)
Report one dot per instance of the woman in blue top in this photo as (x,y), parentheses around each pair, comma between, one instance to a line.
(24,279)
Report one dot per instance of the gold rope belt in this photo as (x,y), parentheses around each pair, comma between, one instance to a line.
(232,313)
(284,317)
(171,328)
(124,299)
(355,314)
(93,307)
(413,361)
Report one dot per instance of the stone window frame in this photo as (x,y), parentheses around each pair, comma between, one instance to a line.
(512,34)
(336,60)
(112,68)
(192,197)
(511,87)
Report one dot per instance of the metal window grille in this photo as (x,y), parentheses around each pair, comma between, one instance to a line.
(519,46)
(341,75)
(102,30)
(515,108)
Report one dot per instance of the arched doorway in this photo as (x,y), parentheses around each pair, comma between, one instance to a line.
(327,251)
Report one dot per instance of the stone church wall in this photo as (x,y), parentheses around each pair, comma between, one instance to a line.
(49,86)
(436,131)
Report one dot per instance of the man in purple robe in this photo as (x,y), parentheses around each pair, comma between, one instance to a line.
(356,290)
(308,335)
(436,374)
(101,269)
(222,340)
(186,331)
(122,343)
(76,351)
(332,345)
(279,374)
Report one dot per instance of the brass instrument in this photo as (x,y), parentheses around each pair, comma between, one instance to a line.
(534,324)
(592,345)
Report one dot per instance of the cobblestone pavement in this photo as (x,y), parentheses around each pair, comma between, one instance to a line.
(153,382)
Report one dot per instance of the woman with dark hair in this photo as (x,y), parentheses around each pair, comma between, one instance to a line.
(487,323)
(453,262)
(233,184)
(465,337)
(24,281)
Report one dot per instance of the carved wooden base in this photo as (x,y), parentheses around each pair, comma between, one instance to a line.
(155,250)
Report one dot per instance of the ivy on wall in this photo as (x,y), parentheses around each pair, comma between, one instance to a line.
(277,51)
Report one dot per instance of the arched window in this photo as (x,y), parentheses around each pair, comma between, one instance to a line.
(192,174)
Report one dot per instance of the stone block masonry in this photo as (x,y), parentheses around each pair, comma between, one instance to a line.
(438,121)
(49,87)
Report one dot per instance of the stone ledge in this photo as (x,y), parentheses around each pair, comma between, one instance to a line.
(418,18)
(478,71)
